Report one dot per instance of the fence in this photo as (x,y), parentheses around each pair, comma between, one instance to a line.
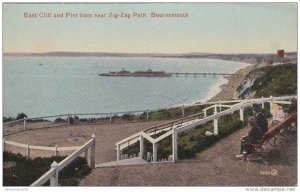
(53,173)
(28,148)
(24,124)
(185,124)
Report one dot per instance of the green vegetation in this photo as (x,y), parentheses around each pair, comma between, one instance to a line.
(195,141)
(278,81)
(27,171)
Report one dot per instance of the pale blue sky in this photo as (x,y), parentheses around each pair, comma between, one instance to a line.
(210,27)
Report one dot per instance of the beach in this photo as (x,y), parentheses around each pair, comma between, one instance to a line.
(228,90)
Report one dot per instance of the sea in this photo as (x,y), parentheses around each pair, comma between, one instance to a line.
(44,86)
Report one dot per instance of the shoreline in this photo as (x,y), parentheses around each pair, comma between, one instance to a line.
(228,89)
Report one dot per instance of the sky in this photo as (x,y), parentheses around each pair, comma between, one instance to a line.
(209,28)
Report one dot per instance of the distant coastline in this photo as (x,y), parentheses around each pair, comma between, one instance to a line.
(246,58)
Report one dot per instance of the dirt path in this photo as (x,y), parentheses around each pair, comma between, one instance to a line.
(216,166)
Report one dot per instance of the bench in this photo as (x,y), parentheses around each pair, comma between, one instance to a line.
(273,130)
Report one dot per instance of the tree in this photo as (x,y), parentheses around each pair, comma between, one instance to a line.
(21,116)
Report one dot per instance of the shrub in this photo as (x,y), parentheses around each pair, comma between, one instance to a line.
(278,81)
(27,171)
(21,116)
(195,141)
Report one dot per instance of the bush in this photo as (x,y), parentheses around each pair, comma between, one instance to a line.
(278,81)
(27,171)
(195,141)
(21,116)
(127,117)
(7,119)
(60,120)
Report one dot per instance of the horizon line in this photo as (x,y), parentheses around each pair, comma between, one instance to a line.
(183,53)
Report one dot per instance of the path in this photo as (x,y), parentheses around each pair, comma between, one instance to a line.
(216,166)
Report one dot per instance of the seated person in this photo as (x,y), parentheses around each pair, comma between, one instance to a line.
(254,136)
(293,106)
(278,115)
(260,118)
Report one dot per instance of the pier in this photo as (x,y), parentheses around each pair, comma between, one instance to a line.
(204,74)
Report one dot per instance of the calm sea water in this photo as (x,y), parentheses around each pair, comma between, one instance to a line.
(40,86)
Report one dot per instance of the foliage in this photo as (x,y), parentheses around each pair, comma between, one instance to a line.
(7,119)
(278,81)
(21,116)
(27,171)
(195,141)
(127,117)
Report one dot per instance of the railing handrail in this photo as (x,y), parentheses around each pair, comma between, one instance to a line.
(126,112)
(55,148)
(242,104)
(44,178)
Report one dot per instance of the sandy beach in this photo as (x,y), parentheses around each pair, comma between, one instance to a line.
(234,81)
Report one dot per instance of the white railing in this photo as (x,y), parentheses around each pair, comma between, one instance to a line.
(29,147)
(53,173)
(188,123)
(23,124)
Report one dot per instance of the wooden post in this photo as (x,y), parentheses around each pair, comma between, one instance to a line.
(205,114)
(216,111)
(110,117)
(174,145)
(54,178)
(28,151)
(271,103)
(147,112)
(24,125)
(93,153)
(263,103)
(56,151)
(119,153)
(182,110)
(154,152)
(215,125)
(141,146)
(68,119)
(220,107)
(241,114)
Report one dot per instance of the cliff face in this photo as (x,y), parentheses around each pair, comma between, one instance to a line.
(244,91)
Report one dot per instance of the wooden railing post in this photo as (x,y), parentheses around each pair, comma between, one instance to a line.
(205,114)
(54,178)
(28,151)
(154,152)
(182,110)
(141,146)
(56,151)
(93,152)
(220,107)
(119,152)
(271,103)
(147,112)
(110,117)
(242,114)
(68,119)
(174,145)
(24,124)
(263,103)
(215,125)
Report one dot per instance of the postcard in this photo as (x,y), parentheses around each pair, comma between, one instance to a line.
(150,94)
